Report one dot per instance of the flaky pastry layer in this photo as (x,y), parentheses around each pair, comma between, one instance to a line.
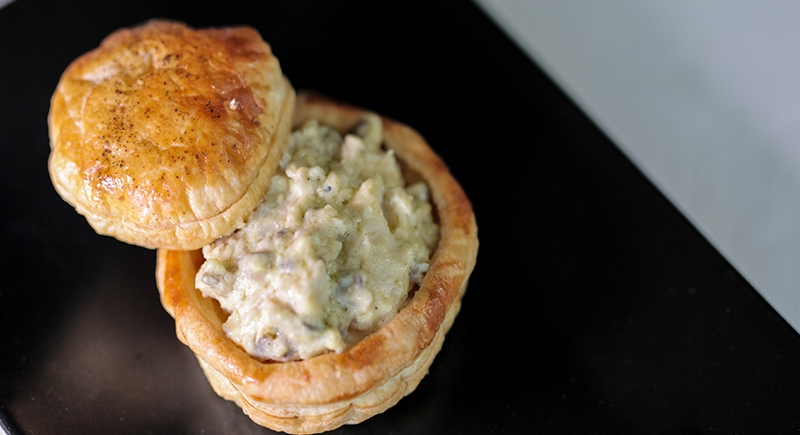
(167,136)
(327,391)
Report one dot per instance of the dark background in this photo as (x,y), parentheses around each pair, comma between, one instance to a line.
(595,307)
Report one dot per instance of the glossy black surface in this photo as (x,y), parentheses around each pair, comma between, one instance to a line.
(595,306)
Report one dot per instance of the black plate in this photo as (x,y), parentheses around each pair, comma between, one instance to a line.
(595,306)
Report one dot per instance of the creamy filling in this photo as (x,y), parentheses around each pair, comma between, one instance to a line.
(329,255)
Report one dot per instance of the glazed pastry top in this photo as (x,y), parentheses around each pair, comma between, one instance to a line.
(165,127)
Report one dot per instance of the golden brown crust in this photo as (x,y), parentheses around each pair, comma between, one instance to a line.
(166,136)
(329,390)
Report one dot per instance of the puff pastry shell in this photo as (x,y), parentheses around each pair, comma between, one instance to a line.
(166,136)
(330,390)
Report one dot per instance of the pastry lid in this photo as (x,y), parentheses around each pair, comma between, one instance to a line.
(167,136)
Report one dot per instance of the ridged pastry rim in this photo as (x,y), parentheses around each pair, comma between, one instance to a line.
(329,390)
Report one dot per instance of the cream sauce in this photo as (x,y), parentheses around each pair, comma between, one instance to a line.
(331,252)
